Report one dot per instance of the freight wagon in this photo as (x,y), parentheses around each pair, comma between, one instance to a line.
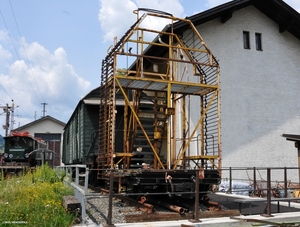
(156,116)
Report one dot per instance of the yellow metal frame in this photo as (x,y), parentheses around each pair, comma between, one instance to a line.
(137,79)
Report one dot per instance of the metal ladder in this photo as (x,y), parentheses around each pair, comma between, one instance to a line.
(151,113)
(106,119)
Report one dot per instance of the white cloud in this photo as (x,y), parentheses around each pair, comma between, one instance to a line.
(116,16)
(170,6)
(4,37)
(4,54)
(44,77)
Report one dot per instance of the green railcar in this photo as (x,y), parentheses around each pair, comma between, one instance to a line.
(22,151)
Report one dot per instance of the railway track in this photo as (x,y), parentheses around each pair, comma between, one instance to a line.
(148,209)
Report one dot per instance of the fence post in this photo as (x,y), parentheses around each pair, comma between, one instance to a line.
(111,191)
(230,181)
(254,180)
(285,183)
(77,175)
(267,212)
(86,181)
(70,170)
(196,212)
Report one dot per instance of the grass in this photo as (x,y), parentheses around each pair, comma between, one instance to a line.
(35,199)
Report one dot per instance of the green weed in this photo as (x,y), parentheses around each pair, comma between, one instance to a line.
(35,199)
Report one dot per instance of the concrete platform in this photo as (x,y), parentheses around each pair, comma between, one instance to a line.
(238,221)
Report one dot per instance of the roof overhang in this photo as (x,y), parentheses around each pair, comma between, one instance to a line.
(292,137)
(287,18)
(96,102)
(91,101)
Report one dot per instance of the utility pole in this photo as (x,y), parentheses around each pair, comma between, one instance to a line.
(44,108)
(6,109)
(9,110)
(12,121)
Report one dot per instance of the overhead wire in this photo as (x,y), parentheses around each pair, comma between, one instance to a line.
(17,53)
(18,57)
(25,49)
(5,92)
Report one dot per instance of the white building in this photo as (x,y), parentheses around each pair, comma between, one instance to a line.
(258,48)
(50,130)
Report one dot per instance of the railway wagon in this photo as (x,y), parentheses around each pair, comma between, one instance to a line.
(80,136)
(159,111)
(170,121)
(21,150)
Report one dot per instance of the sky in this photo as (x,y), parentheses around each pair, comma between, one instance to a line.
(51,51)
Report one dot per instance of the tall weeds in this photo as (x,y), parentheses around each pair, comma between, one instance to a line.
(34,199)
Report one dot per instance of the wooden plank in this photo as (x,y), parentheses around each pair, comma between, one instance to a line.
(71,204)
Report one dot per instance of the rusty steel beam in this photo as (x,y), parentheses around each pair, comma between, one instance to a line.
(178,209)
(148,73)
(145,207)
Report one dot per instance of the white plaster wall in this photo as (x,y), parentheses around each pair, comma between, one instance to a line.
(45,126)
(192,114)
(259,91)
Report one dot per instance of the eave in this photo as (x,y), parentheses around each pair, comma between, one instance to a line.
(285,16)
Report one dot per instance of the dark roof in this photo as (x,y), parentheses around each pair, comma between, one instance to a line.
(92,98)
(292,137)
(93,94)
(38,121)
(285,16)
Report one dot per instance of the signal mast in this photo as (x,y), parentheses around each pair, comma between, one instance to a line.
(9,110)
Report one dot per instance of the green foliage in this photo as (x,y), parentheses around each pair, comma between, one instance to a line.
(48,175)
(35,199)
(121,72)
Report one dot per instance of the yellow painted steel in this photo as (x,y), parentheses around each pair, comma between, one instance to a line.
(139,122)
(174,51)
(193,133)
(167,83)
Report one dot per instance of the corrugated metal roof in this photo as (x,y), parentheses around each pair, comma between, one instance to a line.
(162,86)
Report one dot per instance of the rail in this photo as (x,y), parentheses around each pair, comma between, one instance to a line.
(81,192)
(196,192)
(76,173)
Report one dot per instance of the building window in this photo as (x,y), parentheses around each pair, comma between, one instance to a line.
(258,41)
(48,136)
(246,37)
